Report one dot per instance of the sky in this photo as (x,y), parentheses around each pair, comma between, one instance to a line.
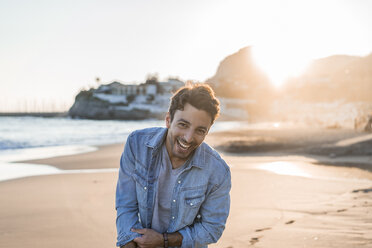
(50,50)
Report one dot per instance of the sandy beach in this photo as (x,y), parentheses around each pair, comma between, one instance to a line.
(291,188)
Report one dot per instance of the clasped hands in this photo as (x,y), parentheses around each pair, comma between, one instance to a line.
(149,239)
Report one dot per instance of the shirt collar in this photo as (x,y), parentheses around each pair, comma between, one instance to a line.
(198,158)
(157,140)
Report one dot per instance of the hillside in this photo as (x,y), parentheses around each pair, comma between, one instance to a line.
(237,76)
(335,78)
(335,91)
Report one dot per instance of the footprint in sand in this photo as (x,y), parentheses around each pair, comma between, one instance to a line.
(362,190)
(341,210)
(263,229)
(254,240)
(290,222)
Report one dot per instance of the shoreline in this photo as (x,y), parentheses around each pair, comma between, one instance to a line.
(66,160)
(20,163)
(239,141)
(34,114)
(105,156)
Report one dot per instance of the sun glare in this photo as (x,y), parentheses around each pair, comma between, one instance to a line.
(284,168)
(276,124)
(279,63)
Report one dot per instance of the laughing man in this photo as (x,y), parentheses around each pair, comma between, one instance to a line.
(173,189)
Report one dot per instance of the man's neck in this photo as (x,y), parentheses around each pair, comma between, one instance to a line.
(177,163)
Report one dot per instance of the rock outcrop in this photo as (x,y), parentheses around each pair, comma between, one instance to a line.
(88,106)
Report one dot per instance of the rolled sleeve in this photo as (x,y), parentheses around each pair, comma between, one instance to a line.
(126,199)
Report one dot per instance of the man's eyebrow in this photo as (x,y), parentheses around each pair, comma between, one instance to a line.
(187,122)
(183,120)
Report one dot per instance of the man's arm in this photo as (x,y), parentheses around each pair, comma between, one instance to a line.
(214,212)
(126,198)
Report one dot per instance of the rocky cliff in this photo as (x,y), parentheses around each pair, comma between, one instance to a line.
(90,107)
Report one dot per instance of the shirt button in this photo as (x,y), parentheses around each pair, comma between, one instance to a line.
(198,216)
(174,200)
(179,182)
(191,204)
(145,188)
(172,217)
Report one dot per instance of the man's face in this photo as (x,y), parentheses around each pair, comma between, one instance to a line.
(186,132)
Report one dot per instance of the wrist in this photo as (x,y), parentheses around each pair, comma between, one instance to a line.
(130,244)
(165,238)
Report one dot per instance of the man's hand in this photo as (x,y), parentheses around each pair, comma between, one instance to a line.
(131,244)
(149,239)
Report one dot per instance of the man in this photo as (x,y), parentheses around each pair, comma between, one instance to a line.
(173,189)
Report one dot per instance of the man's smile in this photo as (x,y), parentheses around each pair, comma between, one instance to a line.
(183,145)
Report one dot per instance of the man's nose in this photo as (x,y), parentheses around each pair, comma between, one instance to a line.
(189,136)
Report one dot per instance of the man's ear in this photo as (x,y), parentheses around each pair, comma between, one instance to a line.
(167,120)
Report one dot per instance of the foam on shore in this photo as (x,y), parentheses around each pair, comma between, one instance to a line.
(10,170)
(15,155)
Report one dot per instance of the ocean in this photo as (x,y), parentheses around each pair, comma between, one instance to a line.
(26,138)
(17,133)
(29,132)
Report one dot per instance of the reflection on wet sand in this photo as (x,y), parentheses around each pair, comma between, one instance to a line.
(284,168)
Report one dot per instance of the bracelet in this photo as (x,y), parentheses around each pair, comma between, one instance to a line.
(165,236)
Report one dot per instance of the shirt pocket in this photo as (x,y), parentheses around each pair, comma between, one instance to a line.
(191,203)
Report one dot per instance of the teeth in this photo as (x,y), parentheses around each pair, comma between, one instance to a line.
(183,145)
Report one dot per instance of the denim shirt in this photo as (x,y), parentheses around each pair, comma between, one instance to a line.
(201,192)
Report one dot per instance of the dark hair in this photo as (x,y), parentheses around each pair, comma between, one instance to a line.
(200,96)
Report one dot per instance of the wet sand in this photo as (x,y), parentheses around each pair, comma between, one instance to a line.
(329,206)
(332,208)
(107,156)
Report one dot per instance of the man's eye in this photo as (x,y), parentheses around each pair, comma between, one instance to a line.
(182,125)
(201,132)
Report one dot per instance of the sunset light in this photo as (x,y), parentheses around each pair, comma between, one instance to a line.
(284,168)
(279,62)
(43,49)
(240,123)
